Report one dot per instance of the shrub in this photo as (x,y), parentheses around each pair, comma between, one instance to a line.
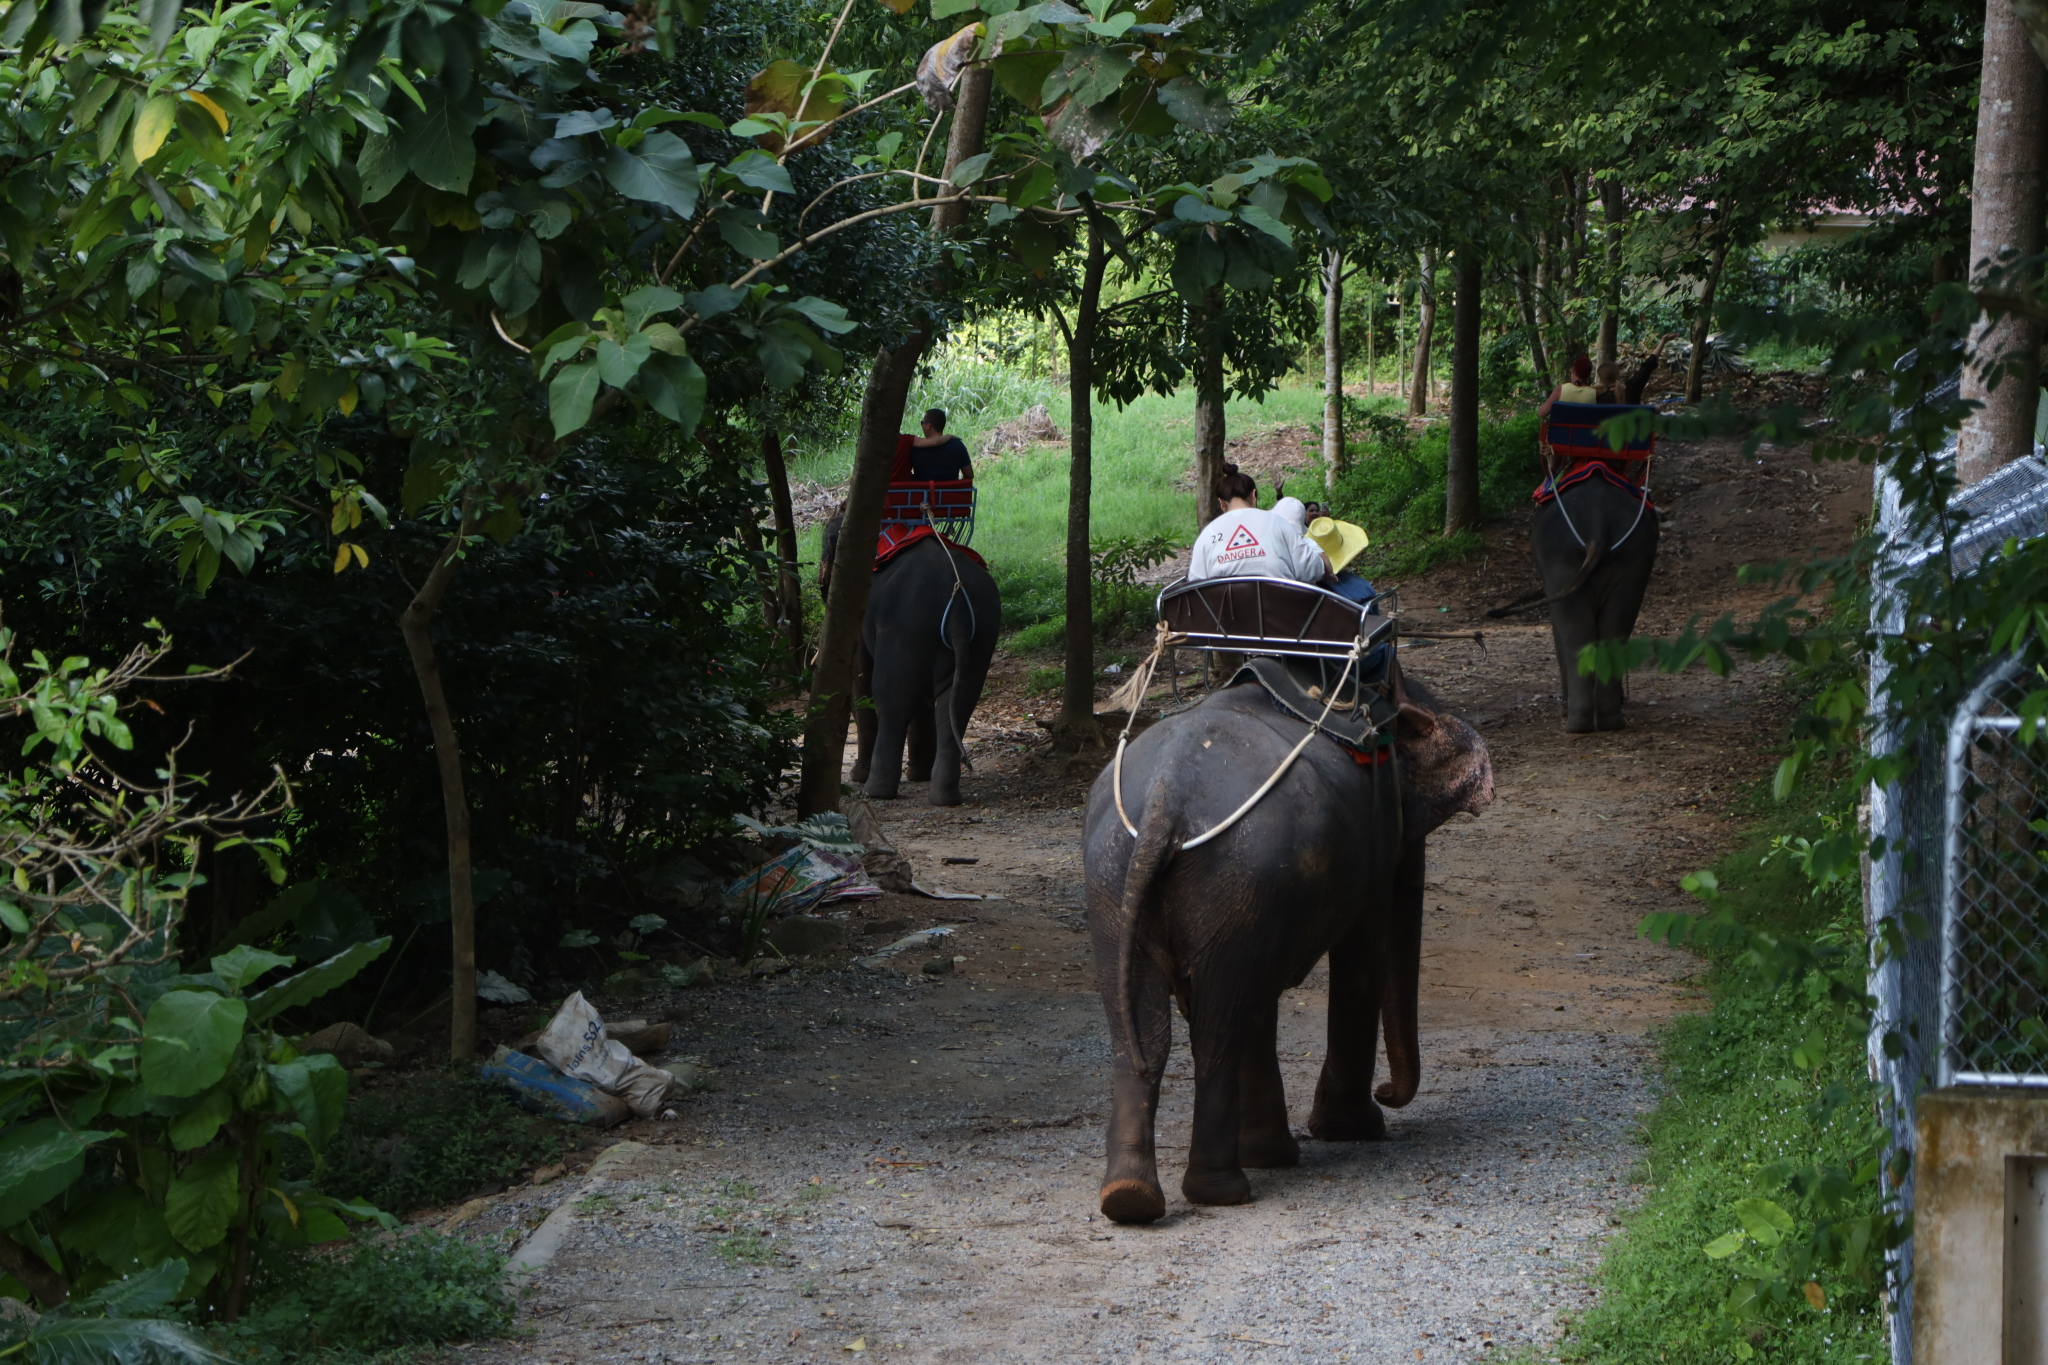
(416,1290)
(433,1139)
(1395,489)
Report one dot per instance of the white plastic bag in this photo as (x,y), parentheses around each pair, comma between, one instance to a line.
(574,1043)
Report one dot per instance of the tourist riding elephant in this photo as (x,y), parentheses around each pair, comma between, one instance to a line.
(1595,544)
(925,646)
(1329,861)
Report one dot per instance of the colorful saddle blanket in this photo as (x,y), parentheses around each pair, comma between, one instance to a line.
(1582,470)
(899,536)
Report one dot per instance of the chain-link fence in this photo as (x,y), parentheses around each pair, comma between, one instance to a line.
(1994,933)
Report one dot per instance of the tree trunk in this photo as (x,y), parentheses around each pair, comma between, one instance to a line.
(1076,722)
(1461,470)
(1209,428)
(791,586)
(2005,222)
(415,624)
(1546,315)
(764,581)
(1333,365)
(1613,209)
(1527,298)
(1372,327)
(853,559)
(1418,385)
(1703,319)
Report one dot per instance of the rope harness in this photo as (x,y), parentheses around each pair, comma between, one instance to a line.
(1136,691)
(1557,496)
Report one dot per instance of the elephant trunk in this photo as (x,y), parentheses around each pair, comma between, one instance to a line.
(1400,988)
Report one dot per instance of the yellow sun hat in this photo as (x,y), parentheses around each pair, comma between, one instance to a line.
(1340,540)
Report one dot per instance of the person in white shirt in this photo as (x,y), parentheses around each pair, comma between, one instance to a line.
(1248,542)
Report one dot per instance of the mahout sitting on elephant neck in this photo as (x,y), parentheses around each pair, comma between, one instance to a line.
(1331,861)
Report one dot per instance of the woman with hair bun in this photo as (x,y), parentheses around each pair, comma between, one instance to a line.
(1246,541)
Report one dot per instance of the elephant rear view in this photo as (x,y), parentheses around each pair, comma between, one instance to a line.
(1595,544)
(926,642)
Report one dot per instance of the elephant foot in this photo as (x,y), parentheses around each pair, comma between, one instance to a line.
(1580,725)
(923,775)
(1216,1187)
(879,790)
(860,773)
(1133,1201)
(1268,1151)
(1366,1124)
(1614,722)
(945,793)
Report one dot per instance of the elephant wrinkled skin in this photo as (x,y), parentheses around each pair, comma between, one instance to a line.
(1330,861)
(1596,567)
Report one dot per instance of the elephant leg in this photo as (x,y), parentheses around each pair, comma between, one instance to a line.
(1572,626)
(864,717)
(1130,1183)
(1264,1140)
(922,737)
(897,689)
(1617,621)
(1216,1036)
(1344,1110)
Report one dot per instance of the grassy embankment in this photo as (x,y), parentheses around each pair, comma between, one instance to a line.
(1735,1101)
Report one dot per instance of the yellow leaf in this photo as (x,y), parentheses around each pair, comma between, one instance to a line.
(338,522)
(898,6)
(153,125)
(1816,1296)
(288,378)
(341,557)
(347,401)
(857,1344)
(291,1209)
(362,556)
(220,116)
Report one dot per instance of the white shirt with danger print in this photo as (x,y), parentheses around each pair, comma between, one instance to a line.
(1255,543)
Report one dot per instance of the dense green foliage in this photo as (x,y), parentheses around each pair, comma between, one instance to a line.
(416,1289)
(433,1139)
(1395,490)
(1741,1111)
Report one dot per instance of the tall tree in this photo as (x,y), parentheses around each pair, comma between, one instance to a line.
(1333,362)
(2005,229)
(1461,471)
(1075,724)
(1425,329)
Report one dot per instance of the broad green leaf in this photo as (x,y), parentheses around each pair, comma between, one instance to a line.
(570,395)
(582,121)
(201,1202)
(822,313)
(38,1161)
(137,1296)
(381,166)
(1724,1246)
(1192,208)
(160,17)
(1086,75)
(760,171)
(945,9)
(504,523)
(154,124)
(196,1126)
(241,965)
(118,1341)
(644,302)
(424,481)
(660,171)
(1764,1220)
(617,364)
(514,267)
(188,1040)
(754,243)
(316,981)
(316,1088)
(435,141)
(1266,223)
(674,386)
(971,169)
(776,88)
(1206,111)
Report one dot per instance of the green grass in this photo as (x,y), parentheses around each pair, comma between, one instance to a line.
(1141,454)
(1735,1102)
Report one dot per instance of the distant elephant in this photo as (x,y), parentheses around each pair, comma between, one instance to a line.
(1594,546)
(925,646)
(1329,861)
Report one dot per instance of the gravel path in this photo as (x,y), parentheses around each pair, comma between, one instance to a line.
(903,1167)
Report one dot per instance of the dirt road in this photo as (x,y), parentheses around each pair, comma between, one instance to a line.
(903,1167)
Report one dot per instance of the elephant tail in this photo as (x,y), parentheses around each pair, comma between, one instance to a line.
(959,629)
(1156,843)
(1596,550)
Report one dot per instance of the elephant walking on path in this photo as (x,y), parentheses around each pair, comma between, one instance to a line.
(1330,861)
(1595,544)
(925,647)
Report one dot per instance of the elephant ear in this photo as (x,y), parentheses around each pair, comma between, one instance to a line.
(1413,722)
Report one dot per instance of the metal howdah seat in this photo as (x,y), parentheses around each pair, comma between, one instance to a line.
(1270,616)
(948,504)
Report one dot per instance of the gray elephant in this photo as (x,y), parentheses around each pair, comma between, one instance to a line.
(925,646)
(1329,861)
(1594,544)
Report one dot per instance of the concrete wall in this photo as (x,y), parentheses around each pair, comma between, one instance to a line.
(1980,1228)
